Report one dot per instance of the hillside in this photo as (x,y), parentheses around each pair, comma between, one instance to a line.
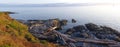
(15,34)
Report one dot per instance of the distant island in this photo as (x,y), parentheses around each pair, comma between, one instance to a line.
(52,5)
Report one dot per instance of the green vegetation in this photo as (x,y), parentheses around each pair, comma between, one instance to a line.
(15,34)
(6,45)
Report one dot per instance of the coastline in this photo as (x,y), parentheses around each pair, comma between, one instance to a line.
(81,33)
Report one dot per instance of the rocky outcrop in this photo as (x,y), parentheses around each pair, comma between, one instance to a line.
(48,23)
(84,35)
(103,32)
(38,27)
(95,32)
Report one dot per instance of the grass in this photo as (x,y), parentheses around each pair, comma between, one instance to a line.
(15,34)
(6,45)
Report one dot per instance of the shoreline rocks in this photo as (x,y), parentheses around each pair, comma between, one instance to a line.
(38,27)
(94,32)
(87,33)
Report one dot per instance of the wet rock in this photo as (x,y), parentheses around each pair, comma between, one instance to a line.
(74,21)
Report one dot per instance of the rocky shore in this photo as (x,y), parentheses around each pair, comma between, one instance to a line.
(88,35)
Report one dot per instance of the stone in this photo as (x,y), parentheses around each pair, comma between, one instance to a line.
(63,22)
(74,21)
(70,31)
(80,28)
(92,27)
(89,32)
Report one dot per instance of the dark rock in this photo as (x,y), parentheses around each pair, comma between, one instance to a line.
(88,32)
(95,32)
(63,22)
(38,31)
(74,21)
(92,27)
(38,27)
(70,31)
(80,28)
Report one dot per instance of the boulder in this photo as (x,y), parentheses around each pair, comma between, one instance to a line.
(74,21)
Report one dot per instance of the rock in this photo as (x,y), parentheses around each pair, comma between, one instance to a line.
(70,31)
(38,27)
(89,32)
(92,27)
(32,22)
(78,31)
(80,28)
(73,21)
(38,31)
(63,22)
(94,32)
(56,23)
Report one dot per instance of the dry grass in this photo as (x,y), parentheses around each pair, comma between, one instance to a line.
(15,34)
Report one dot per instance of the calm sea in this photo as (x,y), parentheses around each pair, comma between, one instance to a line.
(102,15)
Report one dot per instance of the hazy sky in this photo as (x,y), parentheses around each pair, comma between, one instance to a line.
(56,1)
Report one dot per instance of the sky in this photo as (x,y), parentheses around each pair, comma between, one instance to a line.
(56,1)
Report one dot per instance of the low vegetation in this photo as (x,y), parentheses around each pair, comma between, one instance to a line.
(15,34)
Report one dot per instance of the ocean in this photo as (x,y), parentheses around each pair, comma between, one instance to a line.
(101,14)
